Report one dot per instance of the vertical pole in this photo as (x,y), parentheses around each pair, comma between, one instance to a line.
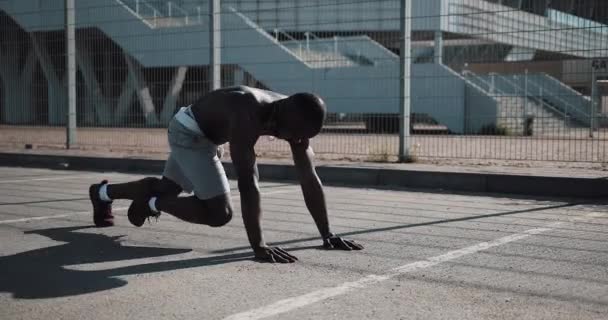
(404,79)
(137,6)
(307,35)
(215,45)
(170,9)
(526,93)
(593,98)
(70,43)
(336,45)
(438,46)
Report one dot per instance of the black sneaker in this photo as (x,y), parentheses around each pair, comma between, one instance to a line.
(139,211)
(102,210)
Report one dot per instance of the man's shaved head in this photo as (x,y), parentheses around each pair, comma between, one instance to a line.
(303,115)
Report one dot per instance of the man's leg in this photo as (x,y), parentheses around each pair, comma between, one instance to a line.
(103,194)
(211,205)
(132,190)
(102,209)
(164,187)
(195,166)
(214,212)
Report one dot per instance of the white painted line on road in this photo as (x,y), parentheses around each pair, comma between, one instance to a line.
(51,178)
(56,216)
(293,303)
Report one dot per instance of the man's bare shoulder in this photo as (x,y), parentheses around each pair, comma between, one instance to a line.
(260,95)
(243,95)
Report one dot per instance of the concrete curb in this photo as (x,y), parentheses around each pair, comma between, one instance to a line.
(575,187)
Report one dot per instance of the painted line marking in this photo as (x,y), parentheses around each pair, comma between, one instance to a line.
(293,303)
(58,216)
(51,178)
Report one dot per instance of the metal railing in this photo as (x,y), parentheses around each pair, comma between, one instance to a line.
(531,90)
(144,10)
(314,51)
(170,15)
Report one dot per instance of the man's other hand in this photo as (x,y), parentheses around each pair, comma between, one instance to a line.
(335,242)
(274,255)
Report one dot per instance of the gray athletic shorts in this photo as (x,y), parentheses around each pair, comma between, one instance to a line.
(193,162)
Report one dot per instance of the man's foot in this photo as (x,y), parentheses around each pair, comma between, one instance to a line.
(139,211)
(102,210)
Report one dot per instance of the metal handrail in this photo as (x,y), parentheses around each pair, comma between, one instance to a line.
(173,6)
(278,32)
(136,7)
(538,98)
(568,104)
(147,11)
(334,48)
(563,85)
(155,13)
(493,88)
(468,73)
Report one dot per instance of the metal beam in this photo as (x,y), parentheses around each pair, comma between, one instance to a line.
(70,43)
(404,79)
(215,44)
(172,94)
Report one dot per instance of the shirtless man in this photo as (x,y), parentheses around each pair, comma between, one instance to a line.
(239,116)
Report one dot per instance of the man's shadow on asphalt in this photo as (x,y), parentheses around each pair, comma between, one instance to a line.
(45,272)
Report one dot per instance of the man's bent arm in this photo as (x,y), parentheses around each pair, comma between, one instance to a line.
(314,197)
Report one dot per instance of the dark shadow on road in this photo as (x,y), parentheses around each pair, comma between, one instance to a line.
(46,272)
(351,233)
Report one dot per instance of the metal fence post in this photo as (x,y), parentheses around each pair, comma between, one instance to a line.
(307,35)
(70,44)
(335,45)
(438,47)
(526,93)
(593,98)
(215,45)
(404,79)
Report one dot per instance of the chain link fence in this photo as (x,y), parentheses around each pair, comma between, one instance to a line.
(495,80)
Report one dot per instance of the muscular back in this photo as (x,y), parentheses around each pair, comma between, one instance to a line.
(220,113)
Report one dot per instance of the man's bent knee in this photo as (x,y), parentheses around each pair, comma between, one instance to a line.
(218,219)
(219,211)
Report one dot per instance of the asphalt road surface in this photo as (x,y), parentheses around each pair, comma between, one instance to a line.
(427,256)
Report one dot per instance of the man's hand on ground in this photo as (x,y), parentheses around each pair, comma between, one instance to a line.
(335,242)
(274,255)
